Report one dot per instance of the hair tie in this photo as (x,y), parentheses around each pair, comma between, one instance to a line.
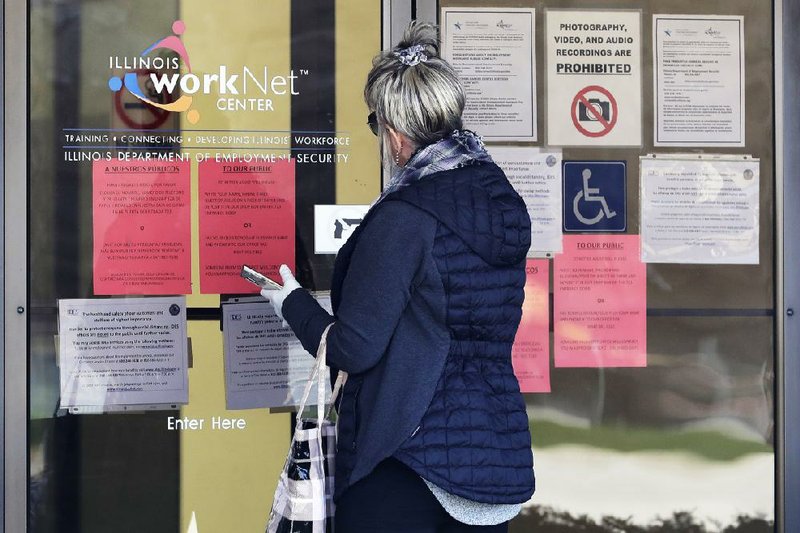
(412,55)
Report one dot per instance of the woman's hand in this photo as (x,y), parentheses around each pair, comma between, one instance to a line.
(276,297)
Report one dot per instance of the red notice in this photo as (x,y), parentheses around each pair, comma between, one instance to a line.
(141,227)
(247,216)
(531,352)
(600,302)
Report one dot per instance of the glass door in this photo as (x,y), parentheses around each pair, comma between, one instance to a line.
(170,142)
(654,442)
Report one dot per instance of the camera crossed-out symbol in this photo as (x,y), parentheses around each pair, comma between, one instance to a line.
(591,194)
(594,111)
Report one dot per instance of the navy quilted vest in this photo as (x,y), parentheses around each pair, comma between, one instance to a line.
(474,440)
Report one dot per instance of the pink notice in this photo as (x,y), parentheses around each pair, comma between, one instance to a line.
(531,352)
(141,227)
(247,216)
(600,302)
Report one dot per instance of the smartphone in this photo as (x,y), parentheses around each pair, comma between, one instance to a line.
(256,277)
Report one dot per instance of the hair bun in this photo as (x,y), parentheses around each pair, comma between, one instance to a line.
(422,34)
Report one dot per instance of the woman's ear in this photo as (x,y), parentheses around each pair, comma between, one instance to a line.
(395,139)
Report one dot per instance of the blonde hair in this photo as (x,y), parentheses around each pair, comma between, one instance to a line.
(425,100)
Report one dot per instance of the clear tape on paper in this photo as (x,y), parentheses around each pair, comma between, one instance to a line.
(699,157)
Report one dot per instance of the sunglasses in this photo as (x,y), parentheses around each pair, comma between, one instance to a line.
(372,122)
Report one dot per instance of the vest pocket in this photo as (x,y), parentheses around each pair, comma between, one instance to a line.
(348,414)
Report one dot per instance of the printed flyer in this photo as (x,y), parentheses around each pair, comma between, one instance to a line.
(493,51)
(531,352)
(536,176)
(141,227)
(698,80)
(600,302)
(594,78)
(247,216)
(265,364)
(115,352)
(700,211)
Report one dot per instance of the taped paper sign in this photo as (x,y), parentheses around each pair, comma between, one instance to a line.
(594,78)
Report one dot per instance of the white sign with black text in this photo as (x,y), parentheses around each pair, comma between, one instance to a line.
(699,211)
(594,78)
(536,175)
(333,225)
(493,51)
(698,80)
(122,351)
(265,364)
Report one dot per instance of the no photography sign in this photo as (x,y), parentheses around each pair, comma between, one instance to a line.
(594,78)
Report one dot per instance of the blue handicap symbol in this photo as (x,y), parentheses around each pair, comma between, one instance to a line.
(594,196)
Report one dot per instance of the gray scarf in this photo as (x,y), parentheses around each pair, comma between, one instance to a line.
(459,149)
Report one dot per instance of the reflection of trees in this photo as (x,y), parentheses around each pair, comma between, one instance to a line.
(548,520)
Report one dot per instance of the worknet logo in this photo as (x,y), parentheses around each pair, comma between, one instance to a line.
(144,63)
(166,89)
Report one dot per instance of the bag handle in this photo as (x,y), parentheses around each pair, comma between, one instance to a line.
(341,378)
(317,374)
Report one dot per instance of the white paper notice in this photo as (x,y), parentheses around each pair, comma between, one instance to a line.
(699,211)
(492,49)
(128,351)
(536,176)
(333,225)
(594,78)
(265,364)
(698,80)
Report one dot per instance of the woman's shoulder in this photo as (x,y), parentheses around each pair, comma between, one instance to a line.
(401,215)
(396,228)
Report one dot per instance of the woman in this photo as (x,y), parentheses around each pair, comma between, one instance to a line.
(427,296)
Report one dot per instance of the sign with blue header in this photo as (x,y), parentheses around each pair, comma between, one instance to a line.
(594,196)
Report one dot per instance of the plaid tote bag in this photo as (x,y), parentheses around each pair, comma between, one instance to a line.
(303,501)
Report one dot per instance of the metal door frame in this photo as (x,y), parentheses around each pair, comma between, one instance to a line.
(15,229)
(787,193)
(2,251)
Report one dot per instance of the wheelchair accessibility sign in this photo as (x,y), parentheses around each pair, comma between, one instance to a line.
(594,196)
